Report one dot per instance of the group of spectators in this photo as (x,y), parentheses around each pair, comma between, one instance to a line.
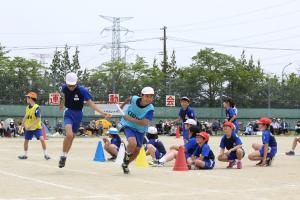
(280,127)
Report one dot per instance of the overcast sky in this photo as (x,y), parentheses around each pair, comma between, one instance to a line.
(271,24)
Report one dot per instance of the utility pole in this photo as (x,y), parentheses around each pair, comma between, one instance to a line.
(165,58)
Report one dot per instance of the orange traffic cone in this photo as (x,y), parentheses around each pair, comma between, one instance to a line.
(180,164)
(177,132)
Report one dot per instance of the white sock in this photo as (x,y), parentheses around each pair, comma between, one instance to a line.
(25,153)
(45,152)
(162,160)
(64,154)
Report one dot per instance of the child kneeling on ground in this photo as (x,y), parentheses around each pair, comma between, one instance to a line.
(265,152)
(112,146)
(203,157)
(233,144)
(154,146)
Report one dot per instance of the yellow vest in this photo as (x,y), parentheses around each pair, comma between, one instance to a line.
(30,117)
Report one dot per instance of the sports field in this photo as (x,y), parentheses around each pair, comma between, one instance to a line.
(82,178)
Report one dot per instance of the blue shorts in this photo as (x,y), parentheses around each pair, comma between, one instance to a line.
(158,155)
(129,132)
(233,156)
(74,118)
(29,134)
(209,164)
(271,152)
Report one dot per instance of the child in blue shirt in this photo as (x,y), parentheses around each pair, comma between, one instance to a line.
(233,144)
(138,116)
(231,113)
(189,147)
(265,152)
(112,146)
(203,157)
(185,113)
(154,146)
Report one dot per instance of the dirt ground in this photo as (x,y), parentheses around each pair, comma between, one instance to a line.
(82,178)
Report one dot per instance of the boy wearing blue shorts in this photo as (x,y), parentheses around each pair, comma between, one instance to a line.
(32,125)
(233,144)
(265,152)
(203,157)
(137,117)
(186,112)
(74,97)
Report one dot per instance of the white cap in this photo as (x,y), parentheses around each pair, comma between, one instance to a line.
(147,90)
(152,130)
(191,122)
(71,78)
(113,131)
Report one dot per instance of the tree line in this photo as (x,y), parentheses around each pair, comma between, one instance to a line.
(209,78)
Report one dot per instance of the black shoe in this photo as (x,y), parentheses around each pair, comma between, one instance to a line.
(290,153)
(112,159)
(126,163)
(62,161)
(23,157)
(47,157)
(259,163)
(269,161)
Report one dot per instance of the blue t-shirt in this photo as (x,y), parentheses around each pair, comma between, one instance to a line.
(158,145)
(116,141)
(74,100)
(205,151)
(190,147)
(186,114)
(38,112)
(230,112)
(231,142)
(268,138)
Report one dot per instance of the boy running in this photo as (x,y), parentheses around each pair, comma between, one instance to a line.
(137,117)
(74,97)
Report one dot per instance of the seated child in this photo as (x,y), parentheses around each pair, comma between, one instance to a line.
(112,146)
(154,146)
(203,157)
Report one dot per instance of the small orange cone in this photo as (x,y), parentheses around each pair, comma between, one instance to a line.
(180,164)
(177,132)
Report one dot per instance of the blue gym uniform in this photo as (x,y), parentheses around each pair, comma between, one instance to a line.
(116,141)
(207,153)
(74,101)
(190,147)
(38,132)
(230,112)
(230,143)
(268,138)
(160,148)
(137,111)
(184,115)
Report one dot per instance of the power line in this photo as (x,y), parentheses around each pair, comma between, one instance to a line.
(239,14)
(272,17)
(17,48)
(230,45)
(262,34)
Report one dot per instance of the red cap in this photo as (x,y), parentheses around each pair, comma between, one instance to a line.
(32,95)
(204,135)
(229,124)
(264,120)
